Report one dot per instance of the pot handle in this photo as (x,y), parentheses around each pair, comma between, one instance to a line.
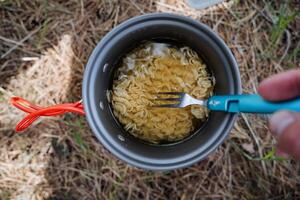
(36,111)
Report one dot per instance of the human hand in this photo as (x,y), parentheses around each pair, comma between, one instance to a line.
(284,125)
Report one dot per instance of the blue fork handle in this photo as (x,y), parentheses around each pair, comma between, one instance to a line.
(250,103)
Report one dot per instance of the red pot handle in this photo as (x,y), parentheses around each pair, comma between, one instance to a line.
(36,111)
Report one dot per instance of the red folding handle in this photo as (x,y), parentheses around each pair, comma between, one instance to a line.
(36,111)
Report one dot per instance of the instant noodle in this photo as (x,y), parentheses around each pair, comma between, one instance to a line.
(159,67)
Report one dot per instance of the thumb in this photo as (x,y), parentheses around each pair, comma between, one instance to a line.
(285,126)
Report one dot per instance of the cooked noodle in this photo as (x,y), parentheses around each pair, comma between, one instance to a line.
(159,67)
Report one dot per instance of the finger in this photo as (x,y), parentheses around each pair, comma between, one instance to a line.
(281,153)
(285,126)
(281,86)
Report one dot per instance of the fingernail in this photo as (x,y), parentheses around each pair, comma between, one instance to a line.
(280,121)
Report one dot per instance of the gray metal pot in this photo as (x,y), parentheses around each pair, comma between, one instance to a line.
(98,79)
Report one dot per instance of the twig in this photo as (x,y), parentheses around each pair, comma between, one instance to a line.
(29,58)
(117,16)
(21,42)
(288,45)
(82,8)
(256,142)
(137,7)
(266,17)
(9,40)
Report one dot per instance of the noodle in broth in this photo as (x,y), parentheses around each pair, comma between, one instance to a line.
(159,67)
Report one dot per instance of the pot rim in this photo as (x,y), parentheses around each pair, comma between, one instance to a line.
(90,111)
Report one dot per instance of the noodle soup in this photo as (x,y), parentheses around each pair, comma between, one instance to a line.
(159,67)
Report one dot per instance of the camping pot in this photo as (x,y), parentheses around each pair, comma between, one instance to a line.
(99,74)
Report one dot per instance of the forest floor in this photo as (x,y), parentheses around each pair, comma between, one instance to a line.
(44,47)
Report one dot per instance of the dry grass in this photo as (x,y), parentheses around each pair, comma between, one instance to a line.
(44,46)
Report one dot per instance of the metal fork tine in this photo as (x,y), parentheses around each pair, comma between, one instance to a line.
(171,93)
(181,102)
(167,106)
(167,99)
(177,98)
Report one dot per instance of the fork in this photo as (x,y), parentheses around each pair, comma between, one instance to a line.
(246,103)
